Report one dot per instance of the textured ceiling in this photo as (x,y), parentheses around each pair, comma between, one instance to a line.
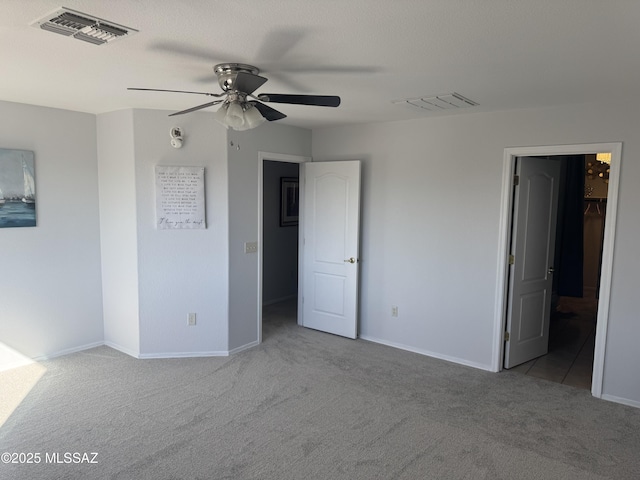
(502,54)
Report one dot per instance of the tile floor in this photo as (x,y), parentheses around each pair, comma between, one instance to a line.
(571,344)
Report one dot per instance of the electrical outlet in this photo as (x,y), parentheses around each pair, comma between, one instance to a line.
(250,247)
(394,310)
(191,319)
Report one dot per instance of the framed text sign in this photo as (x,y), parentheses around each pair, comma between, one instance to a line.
(180,197)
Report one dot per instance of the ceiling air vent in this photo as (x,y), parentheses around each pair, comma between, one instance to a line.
(82,26)
(437,103)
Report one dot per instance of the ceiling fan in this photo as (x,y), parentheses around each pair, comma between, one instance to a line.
(241,109)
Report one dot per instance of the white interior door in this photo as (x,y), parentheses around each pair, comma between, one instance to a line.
(532,248)
(330,224)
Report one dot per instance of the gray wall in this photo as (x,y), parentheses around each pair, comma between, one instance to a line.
(431,208)
(182,271)
(243,219)
(118,231)
(50,287)
(280,244)
(154,278)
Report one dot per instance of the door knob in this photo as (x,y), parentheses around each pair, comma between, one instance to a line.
(351,260)
(550,271)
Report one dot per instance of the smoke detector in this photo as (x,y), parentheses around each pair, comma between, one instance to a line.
(82,26)
(437,103)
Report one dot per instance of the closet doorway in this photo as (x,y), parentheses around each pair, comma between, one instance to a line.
(574,309)
(501,333)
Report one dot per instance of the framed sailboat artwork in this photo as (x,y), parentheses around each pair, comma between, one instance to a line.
(17,188)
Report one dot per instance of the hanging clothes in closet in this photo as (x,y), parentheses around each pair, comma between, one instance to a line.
(594,219)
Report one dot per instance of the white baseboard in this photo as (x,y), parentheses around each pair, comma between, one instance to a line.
(120,348)
(459,361)
(68,351)
(244,347)
(623,401)
(146,356)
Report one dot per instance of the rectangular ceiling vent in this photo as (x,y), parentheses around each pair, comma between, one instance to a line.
(82,26)
(437,103)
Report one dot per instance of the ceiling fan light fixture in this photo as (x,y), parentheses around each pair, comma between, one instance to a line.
(235,115)
(220,115)
(253,117)
(239,116)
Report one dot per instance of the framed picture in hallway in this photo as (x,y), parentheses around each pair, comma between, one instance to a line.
(289,198)
(17,188)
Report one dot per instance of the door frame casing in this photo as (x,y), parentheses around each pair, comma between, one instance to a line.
(504,232)
(285,158)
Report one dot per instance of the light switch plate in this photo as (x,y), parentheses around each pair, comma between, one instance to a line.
(250,247)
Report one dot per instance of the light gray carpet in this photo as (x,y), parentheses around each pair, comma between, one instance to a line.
(308,405)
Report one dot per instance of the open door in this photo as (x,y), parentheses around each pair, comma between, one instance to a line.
(535,209)
(330,223)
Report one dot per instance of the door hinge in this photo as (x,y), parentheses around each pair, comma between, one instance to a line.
(506,336)
(512,259)
(516,180)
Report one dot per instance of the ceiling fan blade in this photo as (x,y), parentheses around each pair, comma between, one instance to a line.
(248,83)
(267,112)
(288,83)
(318,100)
(199,107)
(177,91)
